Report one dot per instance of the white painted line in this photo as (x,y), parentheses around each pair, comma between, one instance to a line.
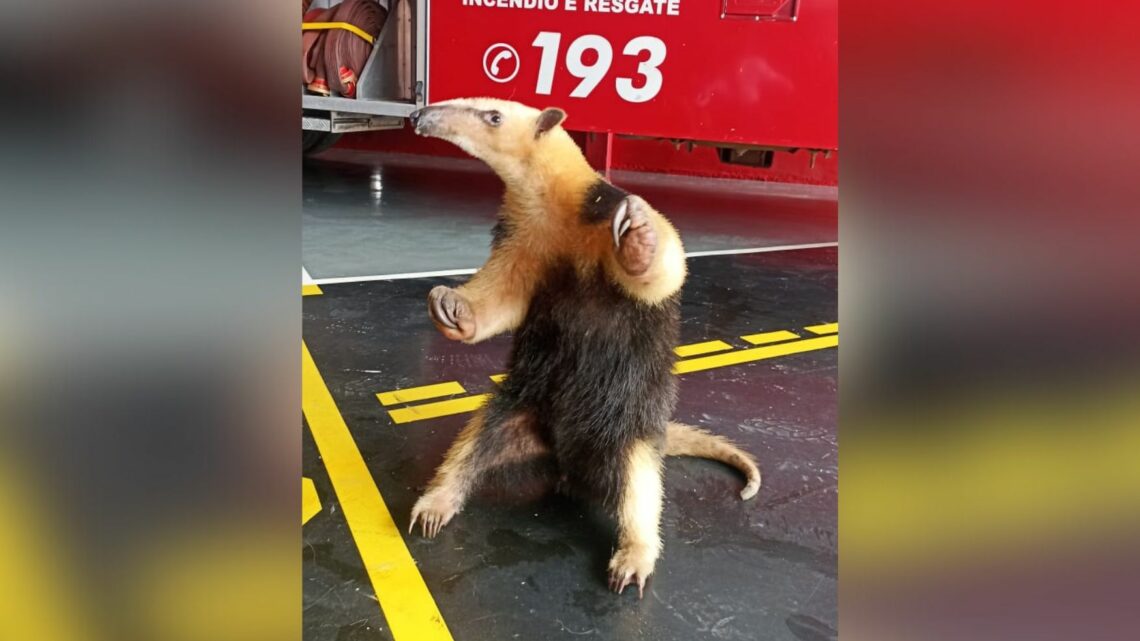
(306,279)
(472,270)
(363,279)
(759,250)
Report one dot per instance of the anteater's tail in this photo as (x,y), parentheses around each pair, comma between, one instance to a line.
(686,440)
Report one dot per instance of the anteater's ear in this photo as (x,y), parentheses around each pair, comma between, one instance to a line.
(550,118)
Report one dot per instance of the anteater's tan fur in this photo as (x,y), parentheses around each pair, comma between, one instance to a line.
(547,183)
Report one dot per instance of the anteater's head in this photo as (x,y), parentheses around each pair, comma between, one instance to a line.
(498,132)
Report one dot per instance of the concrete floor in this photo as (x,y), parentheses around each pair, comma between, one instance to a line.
(368,214)
(519,563)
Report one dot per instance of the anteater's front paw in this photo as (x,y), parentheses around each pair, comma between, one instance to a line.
(451,313)
(433,511)
(634,238)
(632,565)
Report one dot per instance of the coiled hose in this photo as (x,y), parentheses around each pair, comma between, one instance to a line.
(332,58)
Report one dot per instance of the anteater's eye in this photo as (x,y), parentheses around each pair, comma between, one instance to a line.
(494,118)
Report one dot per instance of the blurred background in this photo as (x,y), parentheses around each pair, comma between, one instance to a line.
(148,362)
(149,321)
(988,286)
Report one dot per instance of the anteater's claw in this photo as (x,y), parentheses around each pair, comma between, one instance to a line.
(620,223)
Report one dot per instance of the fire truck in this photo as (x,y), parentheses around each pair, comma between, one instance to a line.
(752,78)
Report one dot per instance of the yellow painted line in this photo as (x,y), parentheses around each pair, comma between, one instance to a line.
(754,354)
(311,290)
(696,349)
(404,598)
(42,595)
(829,328)
(994,474)
(441,408)
(421,393)
(310,502)
(770,337)
(471,403)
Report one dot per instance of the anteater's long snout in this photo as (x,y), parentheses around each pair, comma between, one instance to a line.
(424,118)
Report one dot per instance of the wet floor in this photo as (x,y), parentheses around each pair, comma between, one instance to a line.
(368,214)
(519,563)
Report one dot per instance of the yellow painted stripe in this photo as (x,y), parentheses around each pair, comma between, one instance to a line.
(472,403)
(421,393)
(770,337)
(42,599)
(310,502)
(311,290)
(696,349)
(407,604)
(754,354)
(441,408)
(829,328)
(1005,463)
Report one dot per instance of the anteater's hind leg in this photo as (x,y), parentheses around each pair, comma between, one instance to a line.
(639,518)
(491,438)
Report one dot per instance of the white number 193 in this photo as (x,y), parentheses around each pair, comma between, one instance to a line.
(592,74)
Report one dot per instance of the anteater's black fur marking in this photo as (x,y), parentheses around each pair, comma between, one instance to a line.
(500,232)
(602,200)
(593,367)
